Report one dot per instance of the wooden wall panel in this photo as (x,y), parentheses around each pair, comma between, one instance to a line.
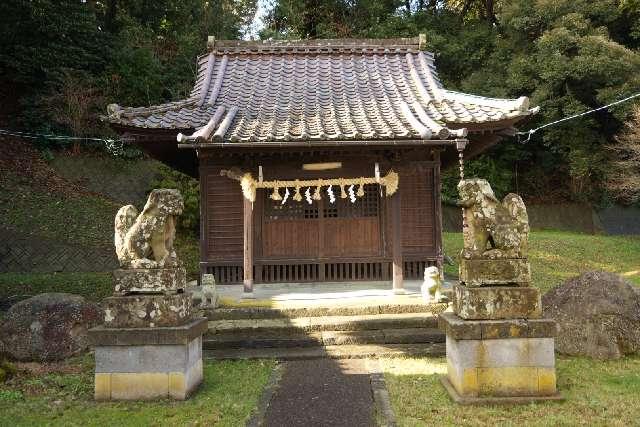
(290,238)
(351,237)
(417,211)
(224,217)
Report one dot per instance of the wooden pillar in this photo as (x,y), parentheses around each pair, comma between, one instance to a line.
(248,246)
(437,202)
(396,250)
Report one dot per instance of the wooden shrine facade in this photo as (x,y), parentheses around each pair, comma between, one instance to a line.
(297,241)
(276,106)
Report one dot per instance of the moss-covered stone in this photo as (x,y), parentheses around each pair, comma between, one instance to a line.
(481,272)
(147,311)
(499,302)
(149,280)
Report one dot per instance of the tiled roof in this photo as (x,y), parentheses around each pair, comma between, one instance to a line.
(319,90)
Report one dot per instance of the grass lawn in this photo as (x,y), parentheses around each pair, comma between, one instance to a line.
(62,394)
(597,393)
(558,255)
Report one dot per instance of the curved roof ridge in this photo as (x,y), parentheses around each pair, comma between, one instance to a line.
(519,104)
(314,45)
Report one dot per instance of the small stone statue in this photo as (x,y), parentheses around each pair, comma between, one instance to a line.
(146,240)
(431,286)
(493,229)
(205,296)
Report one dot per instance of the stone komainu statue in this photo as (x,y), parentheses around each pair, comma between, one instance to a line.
(493,229)
(146,240)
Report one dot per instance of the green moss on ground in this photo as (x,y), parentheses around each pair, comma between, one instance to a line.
(62,395)
(78,219)
(18,286)
(596,392)
(558,255)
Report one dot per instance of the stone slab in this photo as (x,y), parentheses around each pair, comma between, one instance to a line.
(147,311)
(501,353)
(511,367)
(167,335)
(148,372)
(145,280)
(461,329)
(495,400)
(491,272)
(148,358)
(148,385)
(497,302)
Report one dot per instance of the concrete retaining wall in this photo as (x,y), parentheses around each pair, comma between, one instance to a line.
(576,217)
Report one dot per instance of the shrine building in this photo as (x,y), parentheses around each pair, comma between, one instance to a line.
(319,160)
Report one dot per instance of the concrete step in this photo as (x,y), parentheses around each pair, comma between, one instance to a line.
(323,338)
(299,325)
(333,352)
(238,313)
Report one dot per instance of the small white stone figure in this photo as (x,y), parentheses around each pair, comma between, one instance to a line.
(205,295)
(431,286)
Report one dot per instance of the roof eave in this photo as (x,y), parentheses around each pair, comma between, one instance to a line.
(325,143)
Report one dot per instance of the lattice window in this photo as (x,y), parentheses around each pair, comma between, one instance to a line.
(366,206)
(274,209)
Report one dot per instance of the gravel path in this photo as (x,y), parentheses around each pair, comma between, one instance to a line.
(322,392)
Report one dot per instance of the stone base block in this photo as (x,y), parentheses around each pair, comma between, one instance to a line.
(497,302)
(166,280)
(139,364)
(494,400)
(490,272)
(461,329)
(502,367)
(147,311)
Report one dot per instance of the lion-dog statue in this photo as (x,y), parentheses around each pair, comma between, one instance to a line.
(493,229)
(431,286)
(145,240)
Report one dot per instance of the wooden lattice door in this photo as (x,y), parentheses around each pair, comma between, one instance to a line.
(321,229)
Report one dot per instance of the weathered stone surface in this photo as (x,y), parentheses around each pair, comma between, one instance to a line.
(146,240)
(146,372)
(502,367)
(204,296)
(498,302)
(48,327)
(149,280)
(461,329)
(501,353)
(492,229)
(167,335)
(480,272)
(598,315)
(147,311)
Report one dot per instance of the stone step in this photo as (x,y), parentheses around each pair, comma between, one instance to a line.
(324,338)
(298,325)
(333,352)
(237,313)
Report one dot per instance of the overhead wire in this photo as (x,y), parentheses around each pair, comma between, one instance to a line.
(530,132)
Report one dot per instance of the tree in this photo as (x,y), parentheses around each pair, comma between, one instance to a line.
(623,178)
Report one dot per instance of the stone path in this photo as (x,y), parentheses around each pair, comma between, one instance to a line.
(322,392)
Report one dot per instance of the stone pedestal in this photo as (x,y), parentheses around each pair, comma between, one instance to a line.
(493,361)
(501,271)
(497,302)
(150,346)
(147,310)
(141,280)
(146,364)
(499,348)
